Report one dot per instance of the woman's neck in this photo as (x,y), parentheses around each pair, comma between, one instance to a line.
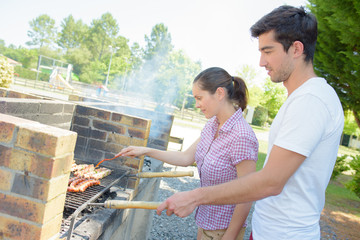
(226,112)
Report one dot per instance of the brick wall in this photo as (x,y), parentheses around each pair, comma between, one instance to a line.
(50,112)
(5,92)
(161,123)
(35,163)
(102,134)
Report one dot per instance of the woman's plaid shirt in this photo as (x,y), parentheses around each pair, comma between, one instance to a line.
(216,161)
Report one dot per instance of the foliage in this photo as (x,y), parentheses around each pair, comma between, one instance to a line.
(354,184)
(28,74)
(337,50)
(72,34)
(101,34)
(93,72)
(6,73)
(43,31)
(260,116)
(157,65)
(340,166)
(274,96)
(256,93)
(350,126)
(176,78)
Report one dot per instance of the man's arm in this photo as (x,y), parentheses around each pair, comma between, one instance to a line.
(269,181)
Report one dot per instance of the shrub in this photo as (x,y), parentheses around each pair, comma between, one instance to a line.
(260,116)
(354,184)
(340,166)
(6,73)
(28,74)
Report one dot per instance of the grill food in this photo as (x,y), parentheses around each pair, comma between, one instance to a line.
(85,176)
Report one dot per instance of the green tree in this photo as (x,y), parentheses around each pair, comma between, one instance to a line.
(350,126)
(120,64)
(101,34)
(274,96)
(249,75)
(337,52)
(156,53)
(158,43)
(43,31)
(80,58)
(93,72)
(72,34)
(175,79)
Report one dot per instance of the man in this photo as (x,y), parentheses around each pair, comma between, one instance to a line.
(303,141)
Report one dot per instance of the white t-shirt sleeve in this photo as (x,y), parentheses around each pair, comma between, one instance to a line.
(303,125)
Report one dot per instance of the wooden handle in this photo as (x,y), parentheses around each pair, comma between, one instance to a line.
(122,204)
(165,174)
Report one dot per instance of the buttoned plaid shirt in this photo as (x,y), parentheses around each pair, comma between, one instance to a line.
(216,160)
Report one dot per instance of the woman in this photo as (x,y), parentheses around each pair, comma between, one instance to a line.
(226,149)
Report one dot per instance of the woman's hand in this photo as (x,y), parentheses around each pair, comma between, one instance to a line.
(133,151)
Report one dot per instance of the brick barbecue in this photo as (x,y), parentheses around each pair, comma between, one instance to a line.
(39,140)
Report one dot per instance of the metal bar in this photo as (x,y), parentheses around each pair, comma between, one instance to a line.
(82,207)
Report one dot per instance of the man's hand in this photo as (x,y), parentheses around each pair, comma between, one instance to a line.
(181,204)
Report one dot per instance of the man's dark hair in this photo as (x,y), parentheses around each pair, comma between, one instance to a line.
(290,24)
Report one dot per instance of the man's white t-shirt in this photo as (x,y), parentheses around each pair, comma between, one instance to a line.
(310,123)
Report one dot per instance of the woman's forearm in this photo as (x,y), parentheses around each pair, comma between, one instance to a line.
(171,157)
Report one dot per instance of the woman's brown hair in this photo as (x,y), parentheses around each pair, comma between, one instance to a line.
(213,78)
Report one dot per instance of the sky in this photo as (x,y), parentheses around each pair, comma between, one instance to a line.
(214,32)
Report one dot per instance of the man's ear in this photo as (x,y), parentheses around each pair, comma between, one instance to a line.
(298,48)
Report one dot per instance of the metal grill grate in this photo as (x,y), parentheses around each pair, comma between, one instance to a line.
(76,202)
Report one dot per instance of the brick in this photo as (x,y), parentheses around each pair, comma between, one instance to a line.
(125,140)
(3,92)
(20,160)
(51,107)
(30,210)
(16,230)
(3,106)
(7,131)
(104,146)
(19,107)
(80,152)
(122,119)
(95,112)
(47,119)
(22,208)
(46,140)
(82,121)
(138,133)
(6,179)
(54,207)
(133,162)
(74,98)
(51,167)
(141,123)
(14,94)
(81,131)
(5,153)
(107,126)
(69,108)
(51,228)
(81,141)
(98,134)
(39,188)
(29,162)
(94,155)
